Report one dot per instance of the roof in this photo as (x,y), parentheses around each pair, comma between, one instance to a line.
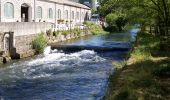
(70,3)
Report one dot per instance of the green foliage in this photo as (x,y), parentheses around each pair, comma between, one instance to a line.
(65,32)
(119,65)
(111,19)
(39,43)
(55,33)
(49,32)
(163,71)
(146,78)
(77,31)
(121,22)
(145,12)
(94,28)
(115,22)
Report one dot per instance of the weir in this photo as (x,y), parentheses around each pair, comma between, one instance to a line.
(100,43)
(75,48)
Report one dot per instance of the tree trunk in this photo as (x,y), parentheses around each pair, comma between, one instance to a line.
(164,2)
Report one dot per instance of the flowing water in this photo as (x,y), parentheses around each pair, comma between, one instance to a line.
(59,75)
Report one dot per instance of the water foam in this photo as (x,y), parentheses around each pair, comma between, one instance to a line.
(47,50)
(43,66)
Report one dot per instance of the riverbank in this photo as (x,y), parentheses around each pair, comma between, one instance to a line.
(146,74)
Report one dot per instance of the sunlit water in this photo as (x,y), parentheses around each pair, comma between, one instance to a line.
(56,75)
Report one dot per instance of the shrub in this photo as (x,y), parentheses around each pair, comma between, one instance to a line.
(49,32)
(163,71)
(94,28)
(65,32)
(111,19)
(55,33)
(115,22)
(73,31)
(39,43)
(111,28)
(119,65)
(77,31)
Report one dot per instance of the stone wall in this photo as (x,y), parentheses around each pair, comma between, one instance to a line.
(60,37)
(20,37)
(1,41)
(24,45)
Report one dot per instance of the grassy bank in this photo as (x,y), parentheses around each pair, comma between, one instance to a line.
(95,29)
(145,76)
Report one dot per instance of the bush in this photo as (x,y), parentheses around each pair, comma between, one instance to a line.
(111,28)
(121,22)
(94,28)
(163,71)
(65,32)
(49,32)
(55,33)
(111,19)
(115,22)
(77,31)
(39,43)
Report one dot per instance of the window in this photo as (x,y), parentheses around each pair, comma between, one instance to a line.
(50,13)
(59,14)
(72,14)
(66,14)
(9,10)
(39,12)
(77,15)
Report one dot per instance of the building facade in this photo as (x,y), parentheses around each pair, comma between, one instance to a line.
(54,11)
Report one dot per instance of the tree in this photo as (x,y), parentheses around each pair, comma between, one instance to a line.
(121,22)
(150,12)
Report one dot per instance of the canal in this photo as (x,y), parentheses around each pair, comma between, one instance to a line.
(78,74)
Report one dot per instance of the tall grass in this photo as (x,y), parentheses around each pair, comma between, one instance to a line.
(39,43)
(94,28)
(146,77)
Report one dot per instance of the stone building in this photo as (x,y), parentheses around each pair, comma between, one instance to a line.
(21,20)
(42,11)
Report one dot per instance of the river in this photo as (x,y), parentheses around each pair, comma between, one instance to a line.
(64,75)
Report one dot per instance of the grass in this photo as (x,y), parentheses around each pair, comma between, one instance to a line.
(39,43)
(95,29)
(145,76)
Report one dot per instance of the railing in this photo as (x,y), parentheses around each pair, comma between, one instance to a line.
(68,26)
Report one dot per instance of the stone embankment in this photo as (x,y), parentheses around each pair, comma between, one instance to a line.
(70,35)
